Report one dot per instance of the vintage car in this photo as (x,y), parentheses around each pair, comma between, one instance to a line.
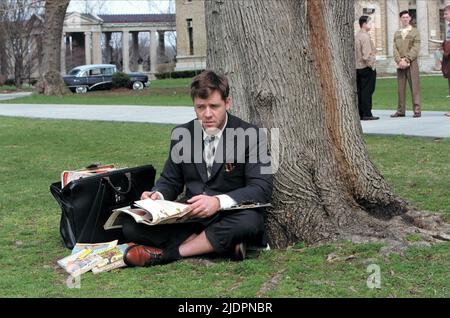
(84,78)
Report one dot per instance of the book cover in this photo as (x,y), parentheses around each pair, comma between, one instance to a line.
(79,263)
(70,175)
(112,259)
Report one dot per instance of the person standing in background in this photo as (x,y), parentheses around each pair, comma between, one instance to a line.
(366,74)
(406,52)
(446,49)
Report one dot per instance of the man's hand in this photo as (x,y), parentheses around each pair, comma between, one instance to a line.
(150,195)
(203,206)
(403,64)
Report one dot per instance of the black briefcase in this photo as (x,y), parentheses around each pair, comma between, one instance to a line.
(87,203)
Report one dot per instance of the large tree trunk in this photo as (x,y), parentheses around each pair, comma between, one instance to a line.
(291,66)
(51,82)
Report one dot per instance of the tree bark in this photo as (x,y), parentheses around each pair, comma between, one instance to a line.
(291,66)
(51,82)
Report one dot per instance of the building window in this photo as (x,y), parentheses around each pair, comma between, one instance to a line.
(190,36)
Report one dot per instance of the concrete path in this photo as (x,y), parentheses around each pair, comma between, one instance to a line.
(123,113)
(14,95)
(431,124)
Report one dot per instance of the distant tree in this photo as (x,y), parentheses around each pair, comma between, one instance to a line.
(18,21)
(51,82)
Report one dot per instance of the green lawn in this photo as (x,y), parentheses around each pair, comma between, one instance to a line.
(433,90)
(167,92)
(34,152)
(175,92)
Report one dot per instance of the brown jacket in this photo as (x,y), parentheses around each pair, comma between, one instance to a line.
(365,50)
(407,48)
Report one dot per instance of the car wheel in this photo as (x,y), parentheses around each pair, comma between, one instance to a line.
(138,85)
(81,89)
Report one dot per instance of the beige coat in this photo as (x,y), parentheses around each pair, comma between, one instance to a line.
(365,50)
(407,48)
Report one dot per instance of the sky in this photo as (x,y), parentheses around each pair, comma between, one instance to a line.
(121,6)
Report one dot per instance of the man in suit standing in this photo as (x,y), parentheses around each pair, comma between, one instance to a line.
(215,174)
(406,52)
(446,49)
(366,75)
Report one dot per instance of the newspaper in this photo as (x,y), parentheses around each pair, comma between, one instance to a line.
(148,212)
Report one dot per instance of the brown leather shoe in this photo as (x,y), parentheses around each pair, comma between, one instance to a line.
(140,255)
(397,114)
(417,115)
(240,251)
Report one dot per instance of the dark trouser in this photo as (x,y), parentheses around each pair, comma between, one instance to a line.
(223,231)
(365,81)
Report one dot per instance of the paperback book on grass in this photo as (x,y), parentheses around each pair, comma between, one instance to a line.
(98,257)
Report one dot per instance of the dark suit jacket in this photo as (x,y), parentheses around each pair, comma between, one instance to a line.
(241,181)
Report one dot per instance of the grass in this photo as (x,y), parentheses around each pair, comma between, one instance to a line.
(13,88)
(166,92)
(433,90)
(175,92)
(34,152)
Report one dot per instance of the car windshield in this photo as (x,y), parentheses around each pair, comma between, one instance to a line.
(74,71)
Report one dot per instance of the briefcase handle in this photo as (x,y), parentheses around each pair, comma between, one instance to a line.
(116,189)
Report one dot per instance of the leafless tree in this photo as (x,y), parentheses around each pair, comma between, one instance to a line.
(291,66)
(51,82)
(19,20)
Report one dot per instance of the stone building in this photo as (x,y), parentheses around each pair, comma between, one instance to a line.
(191,35)
(191,32)
(86,39)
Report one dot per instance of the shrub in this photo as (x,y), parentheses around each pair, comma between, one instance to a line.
(178,74)
(121,79)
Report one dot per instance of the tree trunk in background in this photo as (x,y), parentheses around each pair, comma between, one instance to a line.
(51,82)
(291,66)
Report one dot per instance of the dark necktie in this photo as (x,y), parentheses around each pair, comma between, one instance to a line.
(209,153)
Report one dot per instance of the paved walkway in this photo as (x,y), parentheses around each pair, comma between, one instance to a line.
(14,95)
(432,124)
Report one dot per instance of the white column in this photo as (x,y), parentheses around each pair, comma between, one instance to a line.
(153,48)
(87,47)
(125,51)
(392,12)
(422,26)
(97,47)
(63,54)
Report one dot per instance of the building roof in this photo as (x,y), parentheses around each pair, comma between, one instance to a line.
(136,18)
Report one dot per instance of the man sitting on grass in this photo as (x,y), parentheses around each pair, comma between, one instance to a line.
(222,169)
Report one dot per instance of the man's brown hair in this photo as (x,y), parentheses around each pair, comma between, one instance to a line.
(447,8)
(208,81)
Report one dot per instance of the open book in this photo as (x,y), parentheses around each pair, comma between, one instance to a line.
(149,212)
